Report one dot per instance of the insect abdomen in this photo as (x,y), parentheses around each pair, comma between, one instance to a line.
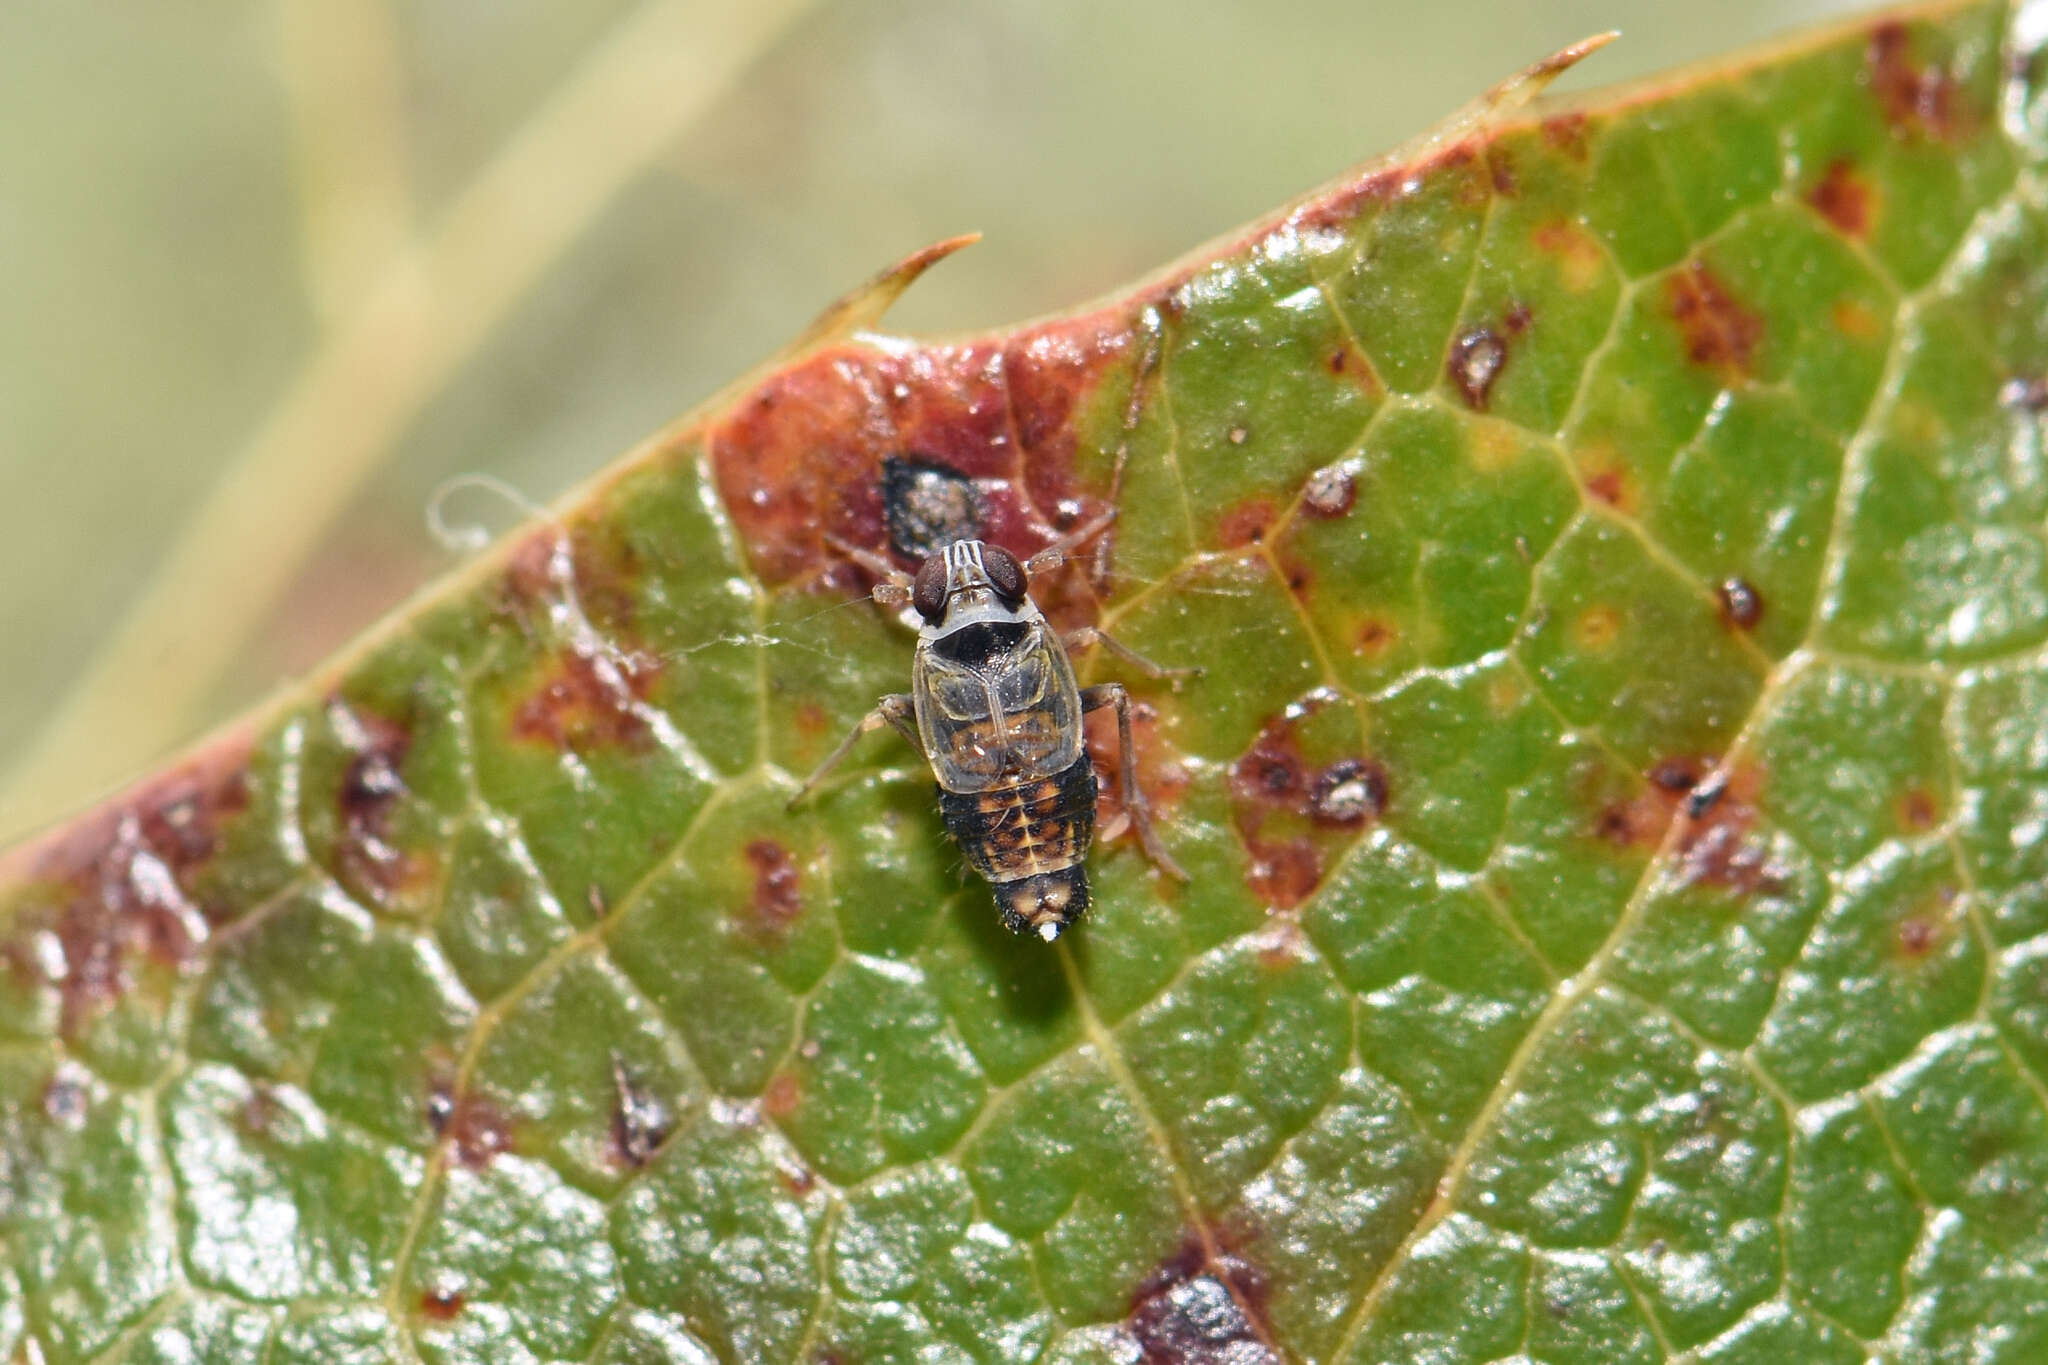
(1029,839)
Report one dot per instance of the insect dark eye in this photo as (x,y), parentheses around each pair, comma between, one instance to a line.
(929,594)
(1005,574)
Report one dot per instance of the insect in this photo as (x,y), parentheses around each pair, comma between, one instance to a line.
(994,707)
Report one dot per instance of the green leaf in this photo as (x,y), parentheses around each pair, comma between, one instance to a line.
(1614,806)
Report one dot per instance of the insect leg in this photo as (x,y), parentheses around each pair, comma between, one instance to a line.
(894,709)
(893,589)
(1091,635)
(1113,694)
(1055,554)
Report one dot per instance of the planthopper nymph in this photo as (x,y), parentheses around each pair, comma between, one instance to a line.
(997,715)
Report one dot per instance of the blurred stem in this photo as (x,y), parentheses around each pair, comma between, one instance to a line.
(368,377)
(343,75)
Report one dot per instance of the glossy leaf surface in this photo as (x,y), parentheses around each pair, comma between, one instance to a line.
(1615,812)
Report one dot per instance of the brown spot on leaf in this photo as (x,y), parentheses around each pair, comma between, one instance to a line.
(442,1302)
(1918,810)
(1284,807)
(1716,846)
(1917,935)
(116,915)
(479,1130)
(1502,166)
(783,1095)
(1718,331)
(1844,198)
(1742,606)
(1331,491)
(1612,486)
(1567,133)
(1476,360)
(1718,809)
(1246,523)
(1375,637)
(778,895)
(1917,99)
(1597,627)
(1854,319)
(1580,261)
(1202,1306)
(591,697)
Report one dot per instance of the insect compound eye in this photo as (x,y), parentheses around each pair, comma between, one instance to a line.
(1005,574)
(929,594)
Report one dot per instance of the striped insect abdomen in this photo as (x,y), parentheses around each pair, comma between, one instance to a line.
(1029,839)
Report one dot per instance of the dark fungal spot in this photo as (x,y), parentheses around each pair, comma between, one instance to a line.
(440,1106)
(1202,1306)
(1843,198)
(373,791)
(67,1096)
(1331,491)
(640,1121)
(778,895)
(927,506)
(1676,774)
(1476,361)
(1706,794)
(1742,606)
(1718,332)
(442,1302)
(1348,793)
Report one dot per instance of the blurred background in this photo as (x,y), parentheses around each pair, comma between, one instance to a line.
(272,271)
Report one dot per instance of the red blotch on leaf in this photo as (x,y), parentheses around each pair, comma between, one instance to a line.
(778,895)
(1613,487)
(1717,808)
(121,888)
(479,1131)
(1273,784)
(591,697)
(442,1303)
(783,1095)
(1918,810)
(1844,198)
(1917,99)
(1567,133)
(1718,332)
(1246,523)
